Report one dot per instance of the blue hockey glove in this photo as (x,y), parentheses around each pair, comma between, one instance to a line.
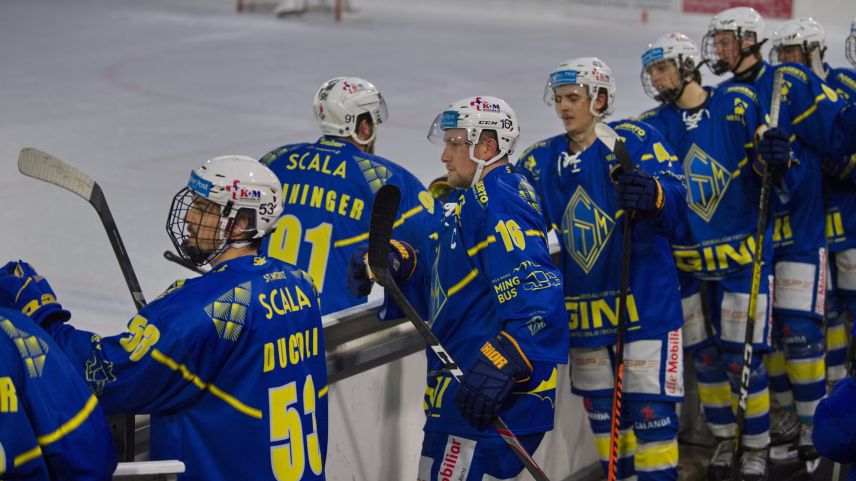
(402,264)
(487,384)
(773,147)
(638,192)
(23,289)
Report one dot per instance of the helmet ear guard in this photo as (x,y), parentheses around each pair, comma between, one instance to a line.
(239,186)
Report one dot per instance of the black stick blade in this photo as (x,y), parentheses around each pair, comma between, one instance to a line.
(384,210)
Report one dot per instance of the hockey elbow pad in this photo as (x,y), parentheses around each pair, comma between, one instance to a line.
(487,385)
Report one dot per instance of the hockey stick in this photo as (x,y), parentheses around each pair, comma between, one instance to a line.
(610,138)
(384,211)
(170,256)
(764,200)
(43,166)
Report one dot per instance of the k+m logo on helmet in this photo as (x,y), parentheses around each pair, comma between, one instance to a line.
(482,105)
(352,88)
(243,193)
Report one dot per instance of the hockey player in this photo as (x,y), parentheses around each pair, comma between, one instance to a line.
(713,131)
(51,425)
(835,431)
(586,195)
(492,297)
(822,126)
(329,186)
(231,365)
(803,41)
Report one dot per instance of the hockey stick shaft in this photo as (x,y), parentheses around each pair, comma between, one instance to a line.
(614,143)
(43,166)
(384,211)
(755,287)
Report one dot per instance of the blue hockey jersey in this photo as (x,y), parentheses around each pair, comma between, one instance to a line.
(491,271)
(231,366)
(51,426)
(715,143)
(328,190)
(841,187)
(814,116)
(580,203)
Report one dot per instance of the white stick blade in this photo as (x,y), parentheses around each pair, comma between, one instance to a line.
(606,135)
(43,166)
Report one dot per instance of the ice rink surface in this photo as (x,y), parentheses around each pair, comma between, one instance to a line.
(137,93)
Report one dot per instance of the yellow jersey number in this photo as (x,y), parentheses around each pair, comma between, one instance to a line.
(290,449)
(285,243)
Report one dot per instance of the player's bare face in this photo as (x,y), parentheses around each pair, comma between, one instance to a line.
(456,157)
(664,75)
(572,106)
(792,53)
(727,47)
(203,222)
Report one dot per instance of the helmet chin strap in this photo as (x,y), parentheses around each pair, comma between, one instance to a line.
(481,164)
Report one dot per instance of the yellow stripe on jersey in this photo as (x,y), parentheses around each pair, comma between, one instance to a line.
(535,233)
(71,424)
(481,245)
(27,456)
(799,118)
(323,391)
(462,283)
(365,235)
(202,385)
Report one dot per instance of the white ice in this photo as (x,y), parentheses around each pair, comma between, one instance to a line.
(137,93)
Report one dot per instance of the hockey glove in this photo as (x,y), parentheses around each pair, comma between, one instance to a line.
(441,189)
(487,385)
(638,192)
(402,264)
(773,147)
(23,289)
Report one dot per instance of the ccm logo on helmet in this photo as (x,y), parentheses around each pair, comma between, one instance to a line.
(243,193)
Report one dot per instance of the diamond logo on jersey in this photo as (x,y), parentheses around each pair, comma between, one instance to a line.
(229,311)
(707,181)
(586,229)
(374,173)
(33,350)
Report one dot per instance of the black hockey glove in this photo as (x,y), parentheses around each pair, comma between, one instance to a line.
(638,192)
(773,147)
(402,264)
(23,289)
(487,384)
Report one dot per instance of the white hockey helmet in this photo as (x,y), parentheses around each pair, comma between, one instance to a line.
(237,184)
(340,101)
(475,115)
(850,45)
(805,33)
(591,73)
(682,51)
(745,22)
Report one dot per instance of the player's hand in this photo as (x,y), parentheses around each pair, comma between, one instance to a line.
(359,281)
(23,289)
(402,265)
(638,192)
(773,148)
(487,385)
